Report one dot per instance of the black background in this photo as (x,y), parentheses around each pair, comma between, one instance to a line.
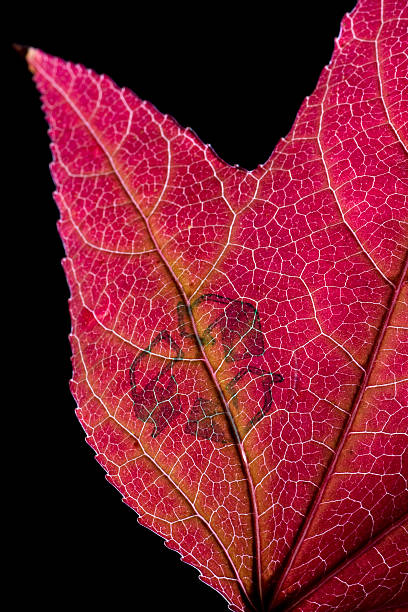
(238,81)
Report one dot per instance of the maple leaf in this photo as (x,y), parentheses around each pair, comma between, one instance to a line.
(239,338)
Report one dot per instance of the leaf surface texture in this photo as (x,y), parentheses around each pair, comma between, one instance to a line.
(240,337)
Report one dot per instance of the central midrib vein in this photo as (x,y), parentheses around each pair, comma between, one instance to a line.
(257,566)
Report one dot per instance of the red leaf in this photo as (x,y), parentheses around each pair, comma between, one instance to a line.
(239,338)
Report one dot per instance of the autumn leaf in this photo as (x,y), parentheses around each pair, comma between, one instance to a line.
(239,338)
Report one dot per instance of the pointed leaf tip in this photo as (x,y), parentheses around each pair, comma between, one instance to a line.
(21,49)
(28,54)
